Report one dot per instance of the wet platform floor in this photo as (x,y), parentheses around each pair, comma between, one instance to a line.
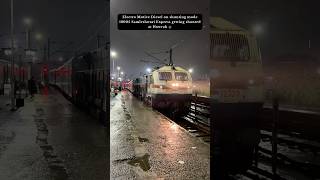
(49,138)
(144,144)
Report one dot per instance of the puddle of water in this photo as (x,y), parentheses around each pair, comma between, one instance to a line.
(128,116)
(142,162)
(143,139)
(56,166)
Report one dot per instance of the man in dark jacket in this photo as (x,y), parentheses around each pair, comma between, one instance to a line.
(32,86)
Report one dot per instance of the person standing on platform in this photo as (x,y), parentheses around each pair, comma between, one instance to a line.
(32,87)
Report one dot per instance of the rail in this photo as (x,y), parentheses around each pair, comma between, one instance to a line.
(296,130)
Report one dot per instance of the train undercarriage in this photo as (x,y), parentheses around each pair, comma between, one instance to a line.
(175,104)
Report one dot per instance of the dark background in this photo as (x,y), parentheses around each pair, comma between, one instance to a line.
(286,26)
(77,21)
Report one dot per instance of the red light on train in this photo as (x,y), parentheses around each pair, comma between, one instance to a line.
(45,68)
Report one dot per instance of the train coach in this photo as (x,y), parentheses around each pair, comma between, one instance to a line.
(166,88)
(83,80)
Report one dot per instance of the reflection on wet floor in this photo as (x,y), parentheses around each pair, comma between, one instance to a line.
(145,144)
(78,139)
(53,139)
(55,164)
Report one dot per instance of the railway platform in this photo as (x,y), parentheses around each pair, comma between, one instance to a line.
(50,138)
(145,144)
(4,101)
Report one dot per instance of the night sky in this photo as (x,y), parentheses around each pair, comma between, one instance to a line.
(131,45)
(77,21)
(287,26)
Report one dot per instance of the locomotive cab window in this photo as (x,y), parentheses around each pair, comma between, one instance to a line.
(181,76)
(165,76)
(229,47)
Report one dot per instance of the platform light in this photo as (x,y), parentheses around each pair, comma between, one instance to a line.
(113,54)
(27,21)
(190,70)
(258,29)
(38,36)
(118,68)
(149,70)
(121,72)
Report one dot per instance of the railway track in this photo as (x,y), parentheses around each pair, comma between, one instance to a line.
(297,139)
(197,121)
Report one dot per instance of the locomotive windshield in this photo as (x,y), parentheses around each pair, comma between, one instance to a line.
(181,76)
(165,76)
(229,47)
